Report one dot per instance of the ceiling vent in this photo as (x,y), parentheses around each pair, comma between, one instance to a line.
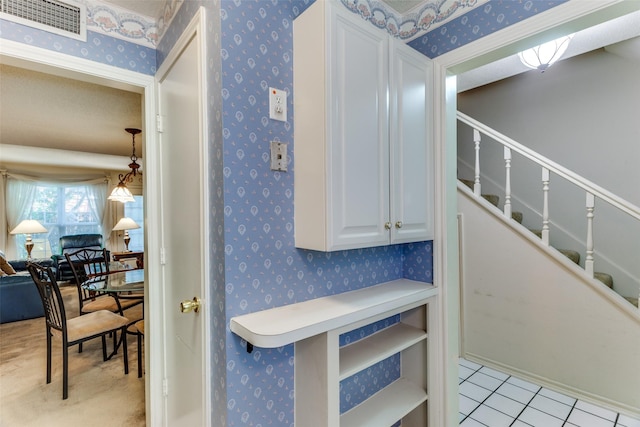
(63,18)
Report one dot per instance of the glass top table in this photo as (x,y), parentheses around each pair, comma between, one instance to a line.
(120,281)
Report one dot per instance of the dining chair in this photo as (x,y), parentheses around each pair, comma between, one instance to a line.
(86,263)
(73,331)
(138,330)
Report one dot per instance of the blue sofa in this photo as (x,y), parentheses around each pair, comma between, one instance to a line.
(19,298)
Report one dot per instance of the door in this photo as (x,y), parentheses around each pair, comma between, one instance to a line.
(183,227)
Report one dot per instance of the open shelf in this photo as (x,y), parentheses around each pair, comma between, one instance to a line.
(374,348)
(385,407)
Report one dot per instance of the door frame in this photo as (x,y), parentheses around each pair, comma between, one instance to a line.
(55,63)
(194,32)
(572,16)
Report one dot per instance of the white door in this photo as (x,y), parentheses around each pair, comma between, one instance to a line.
(184,231)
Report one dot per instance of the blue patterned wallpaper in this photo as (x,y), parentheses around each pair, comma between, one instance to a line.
(98,47)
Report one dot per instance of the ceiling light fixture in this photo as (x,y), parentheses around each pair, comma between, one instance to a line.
(121,193)
(543,56)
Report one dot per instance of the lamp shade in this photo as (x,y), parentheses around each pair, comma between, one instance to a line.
(121,194)
(543,56)
(29,226)
(125,223)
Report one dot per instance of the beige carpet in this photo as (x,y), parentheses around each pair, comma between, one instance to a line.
(99,392)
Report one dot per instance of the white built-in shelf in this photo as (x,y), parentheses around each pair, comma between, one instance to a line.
(374,348)
(315,327)
(385,407)
(284,325)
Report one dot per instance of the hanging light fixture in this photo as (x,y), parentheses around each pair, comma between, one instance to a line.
(121,193)
(543,56)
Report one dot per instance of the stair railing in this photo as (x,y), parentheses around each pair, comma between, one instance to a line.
(592,190)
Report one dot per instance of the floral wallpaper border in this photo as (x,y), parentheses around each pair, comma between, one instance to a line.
(428,17)
(111,20)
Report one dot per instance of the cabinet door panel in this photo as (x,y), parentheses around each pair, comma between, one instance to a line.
(411,146)
(359,136)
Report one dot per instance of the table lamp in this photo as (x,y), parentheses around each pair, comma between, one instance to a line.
(28,227)
(126,224)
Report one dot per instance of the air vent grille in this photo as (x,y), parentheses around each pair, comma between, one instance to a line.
(50,15)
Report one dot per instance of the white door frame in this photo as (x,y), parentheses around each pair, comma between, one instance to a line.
(571,16)
(195,32)
(51,62)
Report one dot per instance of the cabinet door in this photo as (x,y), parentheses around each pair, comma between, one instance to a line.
(358,133)
(411,145)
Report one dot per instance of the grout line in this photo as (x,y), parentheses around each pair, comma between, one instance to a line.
(569,414)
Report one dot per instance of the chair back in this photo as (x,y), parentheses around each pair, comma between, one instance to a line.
(86,263)
(49,291)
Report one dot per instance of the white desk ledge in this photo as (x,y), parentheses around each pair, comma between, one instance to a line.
(284,325)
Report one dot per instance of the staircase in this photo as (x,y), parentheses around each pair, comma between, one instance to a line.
(629,282)
(573,255)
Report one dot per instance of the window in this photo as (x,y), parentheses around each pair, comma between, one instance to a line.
(135,211)
(63,210)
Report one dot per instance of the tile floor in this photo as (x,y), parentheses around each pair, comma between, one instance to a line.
(489,398)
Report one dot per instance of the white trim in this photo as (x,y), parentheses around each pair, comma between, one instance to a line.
(35,58)
(567,17)
(196,30)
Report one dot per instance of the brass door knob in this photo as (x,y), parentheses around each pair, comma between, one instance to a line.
(387,225)
(398,224)
(187,306)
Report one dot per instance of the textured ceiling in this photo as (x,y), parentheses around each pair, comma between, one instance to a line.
(42,110)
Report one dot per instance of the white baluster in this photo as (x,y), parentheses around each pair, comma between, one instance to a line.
(588,263)
(507,184)
(545,206)
(476,183)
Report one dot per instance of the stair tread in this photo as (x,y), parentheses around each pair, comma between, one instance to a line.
(571,254)
(605,278)
(633,301)
(517,216)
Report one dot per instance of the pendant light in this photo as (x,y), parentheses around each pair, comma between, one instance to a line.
(121,193)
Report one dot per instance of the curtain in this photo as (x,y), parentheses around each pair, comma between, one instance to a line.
(19,199)
(98,203)
(3,212)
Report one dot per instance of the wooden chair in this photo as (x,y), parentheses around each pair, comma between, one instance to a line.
(75,330)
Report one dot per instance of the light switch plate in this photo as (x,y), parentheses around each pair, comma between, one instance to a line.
(277,104)
(278,156)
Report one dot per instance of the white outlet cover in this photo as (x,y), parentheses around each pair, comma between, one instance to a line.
(277,104)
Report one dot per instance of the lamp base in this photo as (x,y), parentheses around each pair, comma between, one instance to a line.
(29,247)
(127,239)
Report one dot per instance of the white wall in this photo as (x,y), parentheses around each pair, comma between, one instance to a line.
(550,325)
(583,114)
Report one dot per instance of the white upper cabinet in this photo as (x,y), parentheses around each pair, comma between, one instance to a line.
(363,145)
